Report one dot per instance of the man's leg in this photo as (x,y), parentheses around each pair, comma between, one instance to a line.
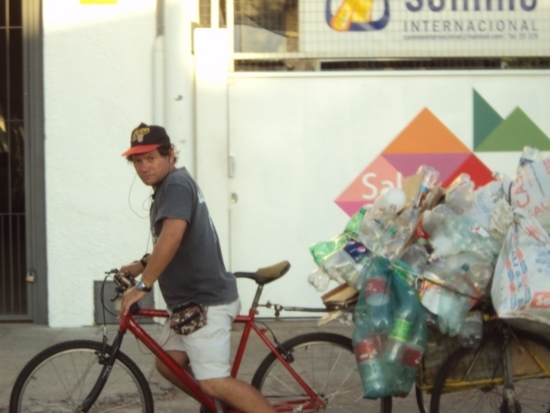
(238,394)
(209,354)
(181,358)
(173,345)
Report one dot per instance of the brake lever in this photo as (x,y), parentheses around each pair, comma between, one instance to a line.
(124,280)
(118,295)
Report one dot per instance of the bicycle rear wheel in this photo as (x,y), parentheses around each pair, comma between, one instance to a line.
(471,380)
(59,378)
(327,363)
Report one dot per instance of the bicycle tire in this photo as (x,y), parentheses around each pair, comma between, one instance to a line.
(468,367)
(421,401)
(326,361)
(61,376)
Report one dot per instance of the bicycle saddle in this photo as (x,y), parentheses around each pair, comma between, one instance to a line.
(265,275)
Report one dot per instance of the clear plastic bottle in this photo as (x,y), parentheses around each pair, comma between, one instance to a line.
(346,263)
(397,230)
(454,302)
(410,357)
(456,233)
(481,269)
(469,236)
(471,331)
(429,181)
(391,201)
(404,318)
(321,250)
(430,223)
(370,233)
(459,196)
(319,279)
(411,263)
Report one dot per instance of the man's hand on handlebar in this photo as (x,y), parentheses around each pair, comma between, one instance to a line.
(135,268)
(130,296)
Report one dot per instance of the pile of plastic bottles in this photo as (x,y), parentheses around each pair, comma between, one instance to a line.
(390,332)
(441,252)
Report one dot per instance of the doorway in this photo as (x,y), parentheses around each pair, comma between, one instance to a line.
(22,209)
(13,288)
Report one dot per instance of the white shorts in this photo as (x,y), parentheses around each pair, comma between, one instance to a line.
(208,348)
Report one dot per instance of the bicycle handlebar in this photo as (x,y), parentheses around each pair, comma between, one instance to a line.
(123,280)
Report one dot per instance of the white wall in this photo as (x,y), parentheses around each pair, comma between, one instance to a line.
(298,141)
(98,87)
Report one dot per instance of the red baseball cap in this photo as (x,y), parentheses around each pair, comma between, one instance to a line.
(147,138)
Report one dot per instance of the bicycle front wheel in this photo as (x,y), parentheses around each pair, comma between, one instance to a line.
(59,378)
(327,364)
(472,380)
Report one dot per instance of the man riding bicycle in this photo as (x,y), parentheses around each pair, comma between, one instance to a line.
(187,262)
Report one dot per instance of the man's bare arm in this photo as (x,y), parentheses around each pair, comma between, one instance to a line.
(166,246)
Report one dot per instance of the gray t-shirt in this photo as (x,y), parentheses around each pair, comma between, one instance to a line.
(197,272)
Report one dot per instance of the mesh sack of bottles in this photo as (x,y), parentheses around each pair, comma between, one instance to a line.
(423,257)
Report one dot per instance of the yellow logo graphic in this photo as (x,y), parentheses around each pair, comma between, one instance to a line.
(137,135)
(352,11)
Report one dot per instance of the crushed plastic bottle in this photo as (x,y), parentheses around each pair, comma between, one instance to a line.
(321,250)
(368,347)
(319,279)
(454,302)
(376,290)
(371,233)
(353,226)
(390,201)
(397,231)
(429,181)
(481,270)
(368,350)
(407,364)
(429,223)
(405,317)
(346,263)
(455,233)
(529,155)
(411,263)
(471,331)
(459,196)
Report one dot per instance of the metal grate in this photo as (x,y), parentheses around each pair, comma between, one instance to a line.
(279,35)
(13,288)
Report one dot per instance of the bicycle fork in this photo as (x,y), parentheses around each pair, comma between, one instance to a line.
(107,362)
(509,402)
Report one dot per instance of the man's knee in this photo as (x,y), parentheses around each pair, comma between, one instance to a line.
(161,367)
(214,387)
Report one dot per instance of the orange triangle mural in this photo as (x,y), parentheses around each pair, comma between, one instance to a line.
(426,134)
(425,141)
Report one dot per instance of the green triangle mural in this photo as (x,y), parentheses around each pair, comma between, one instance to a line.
(513,134)
(486,119)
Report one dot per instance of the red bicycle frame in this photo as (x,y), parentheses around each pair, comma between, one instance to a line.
(128,323)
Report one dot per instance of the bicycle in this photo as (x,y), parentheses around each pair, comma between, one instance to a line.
(307,373)
(509,372)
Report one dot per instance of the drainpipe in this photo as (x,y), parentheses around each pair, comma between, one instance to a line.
(179,94)
(173,83)
(158,67)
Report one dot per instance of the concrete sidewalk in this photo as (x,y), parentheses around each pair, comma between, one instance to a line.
(20,342)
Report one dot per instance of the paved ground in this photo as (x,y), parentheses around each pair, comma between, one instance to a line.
(19,342)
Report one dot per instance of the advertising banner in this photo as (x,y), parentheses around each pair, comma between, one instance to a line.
(320,146)
(424,28)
